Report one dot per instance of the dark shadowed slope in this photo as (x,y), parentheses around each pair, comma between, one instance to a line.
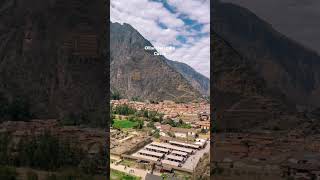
(240,96)
(51,56)
(286,66)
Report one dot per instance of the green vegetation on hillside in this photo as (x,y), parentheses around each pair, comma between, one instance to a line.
(123,110)
(179,123)
(126,110)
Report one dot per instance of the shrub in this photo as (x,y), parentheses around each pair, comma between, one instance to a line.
(115,95)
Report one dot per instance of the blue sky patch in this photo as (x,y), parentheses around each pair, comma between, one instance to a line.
(162,25)
(182,39)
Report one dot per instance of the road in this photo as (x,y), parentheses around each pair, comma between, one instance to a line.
(193,160)
(136,172)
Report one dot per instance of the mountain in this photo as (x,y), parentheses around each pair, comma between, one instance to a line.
(138,73)
(240,96)
(287,67)
(197,80)
(52,57)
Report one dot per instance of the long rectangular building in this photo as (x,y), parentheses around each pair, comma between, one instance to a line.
(175,158)
(157,149)
(186,145)
(172,163)
(144,157)
(179,153)
(171,147)
(151,153)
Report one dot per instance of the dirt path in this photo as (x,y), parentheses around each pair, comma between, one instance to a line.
(133,171)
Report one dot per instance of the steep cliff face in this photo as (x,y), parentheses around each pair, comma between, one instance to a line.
(197,80)
(136,72)
(51,54)
(286,66)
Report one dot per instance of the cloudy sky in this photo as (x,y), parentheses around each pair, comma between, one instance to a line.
(183,24)
(297,19)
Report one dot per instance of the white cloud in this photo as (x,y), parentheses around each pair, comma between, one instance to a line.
(196,9)
(144,16)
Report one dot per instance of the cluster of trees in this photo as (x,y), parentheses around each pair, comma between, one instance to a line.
(138,121)
(151,115)
(179,123)
(126,110)
(123,110)
(136,116)
(17,109)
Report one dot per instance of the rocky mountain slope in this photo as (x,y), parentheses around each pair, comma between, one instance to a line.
(52,55)
(138,73)
(286,67)
(197,80)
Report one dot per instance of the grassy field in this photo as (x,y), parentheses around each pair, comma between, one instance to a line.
(124,124)
(117,175)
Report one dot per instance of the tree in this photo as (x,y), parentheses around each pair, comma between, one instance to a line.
(135,98)
(139,124)
(124,110)
(156,133)
(161,117)
(115,95)
(151,125)
(132,118)
(145,113)
(112,117)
